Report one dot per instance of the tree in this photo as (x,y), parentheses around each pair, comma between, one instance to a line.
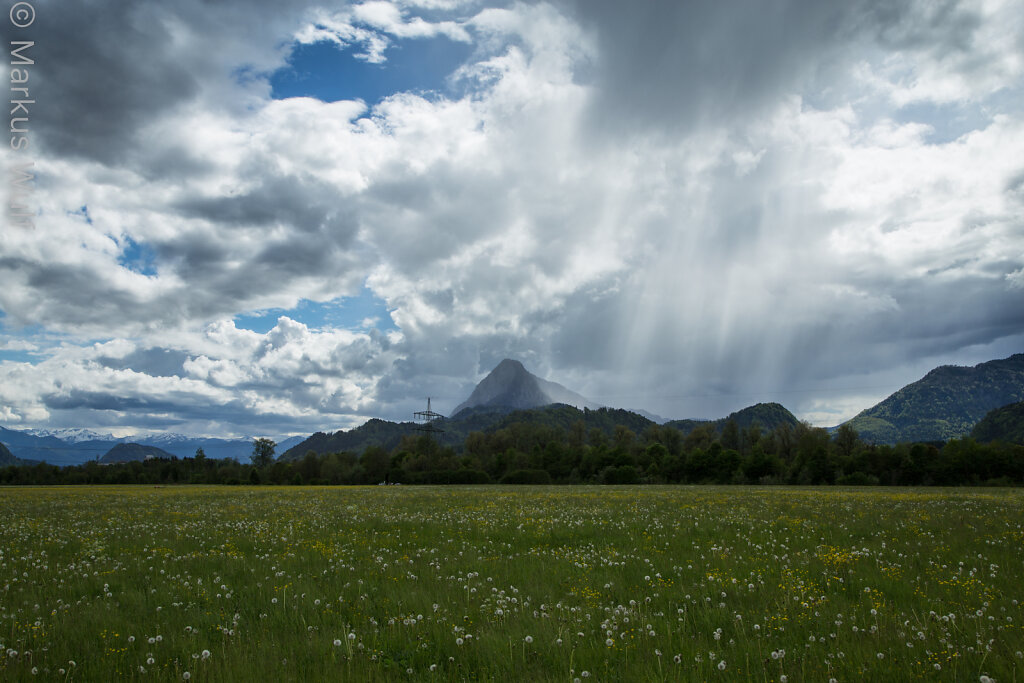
(376,463)
(263,452)
(846,440)
(309,467)
(731,435)
(200,454)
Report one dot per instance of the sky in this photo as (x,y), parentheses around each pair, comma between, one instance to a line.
(255,218)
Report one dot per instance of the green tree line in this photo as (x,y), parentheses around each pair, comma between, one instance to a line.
(536,453)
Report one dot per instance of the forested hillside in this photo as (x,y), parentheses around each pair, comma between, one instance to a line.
(1002,424)
(944,404)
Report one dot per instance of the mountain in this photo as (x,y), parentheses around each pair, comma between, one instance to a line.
(48,448)
(510,395)
(510,385)
(77,446)
(653,417)
(944,404)
(285,444)
(6,457)
(1004,424)
(221,449)
(487,420)
(72,435)
(374,432)
(558,416)
(130,452)
(767,415)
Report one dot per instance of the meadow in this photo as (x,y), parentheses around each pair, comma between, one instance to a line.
(511,583)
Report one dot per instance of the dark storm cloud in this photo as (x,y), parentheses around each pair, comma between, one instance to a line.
(97,400)
(304,203)
(132,74)
(156,362)
(107,69)
(940,27)
(81,295)
(675,66)
(104,410)
(679,65)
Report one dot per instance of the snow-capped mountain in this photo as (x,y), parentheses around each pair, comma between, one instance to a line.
(76,446)
(73,434)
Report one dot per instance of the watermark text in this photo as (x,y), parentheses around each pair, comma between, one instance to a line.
(21,182)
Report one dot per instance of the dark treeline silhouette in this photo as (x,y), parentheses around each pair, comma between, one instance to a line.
(537,453)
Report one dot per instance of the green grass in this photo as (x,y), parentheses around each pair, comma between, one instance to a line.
(527,583)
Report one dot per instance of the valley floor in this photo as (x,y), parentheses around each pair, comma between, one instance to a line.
(491,583)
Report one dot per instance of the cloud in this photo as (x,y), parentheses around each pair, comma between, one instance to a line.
(645,203)
(110,69)
(373,25)
(289,378)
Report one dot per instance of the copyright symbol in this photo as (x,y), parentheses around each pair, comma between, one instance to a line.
(22,14)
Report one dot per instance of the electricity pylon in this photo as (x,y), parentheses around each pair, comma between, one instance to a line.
(430,417)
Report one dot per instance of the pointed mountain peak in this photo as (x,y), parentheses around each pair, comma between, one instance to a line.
(510,368)
(511,385)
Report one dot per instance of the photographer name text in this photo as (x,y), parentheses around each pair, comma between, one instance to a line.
(22,175)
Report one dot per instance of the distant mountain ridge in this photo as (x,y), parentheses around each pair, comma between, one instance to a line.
(767,415)
(73,434)
(388,435)
(944,404)
(510,385)
(507,388)
(77,446)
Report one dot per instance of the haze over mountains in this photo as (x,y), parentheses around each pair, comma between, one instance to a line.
(946,403)
(77,446)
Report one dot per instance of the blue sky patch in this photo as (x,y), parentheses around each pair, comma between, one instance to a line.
(331,73)
(83,211)
(34,334)
(138,257)
(345,312)
(20,356)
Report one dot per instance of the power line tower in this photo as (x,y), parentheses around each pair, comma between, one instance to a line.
(429,417)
